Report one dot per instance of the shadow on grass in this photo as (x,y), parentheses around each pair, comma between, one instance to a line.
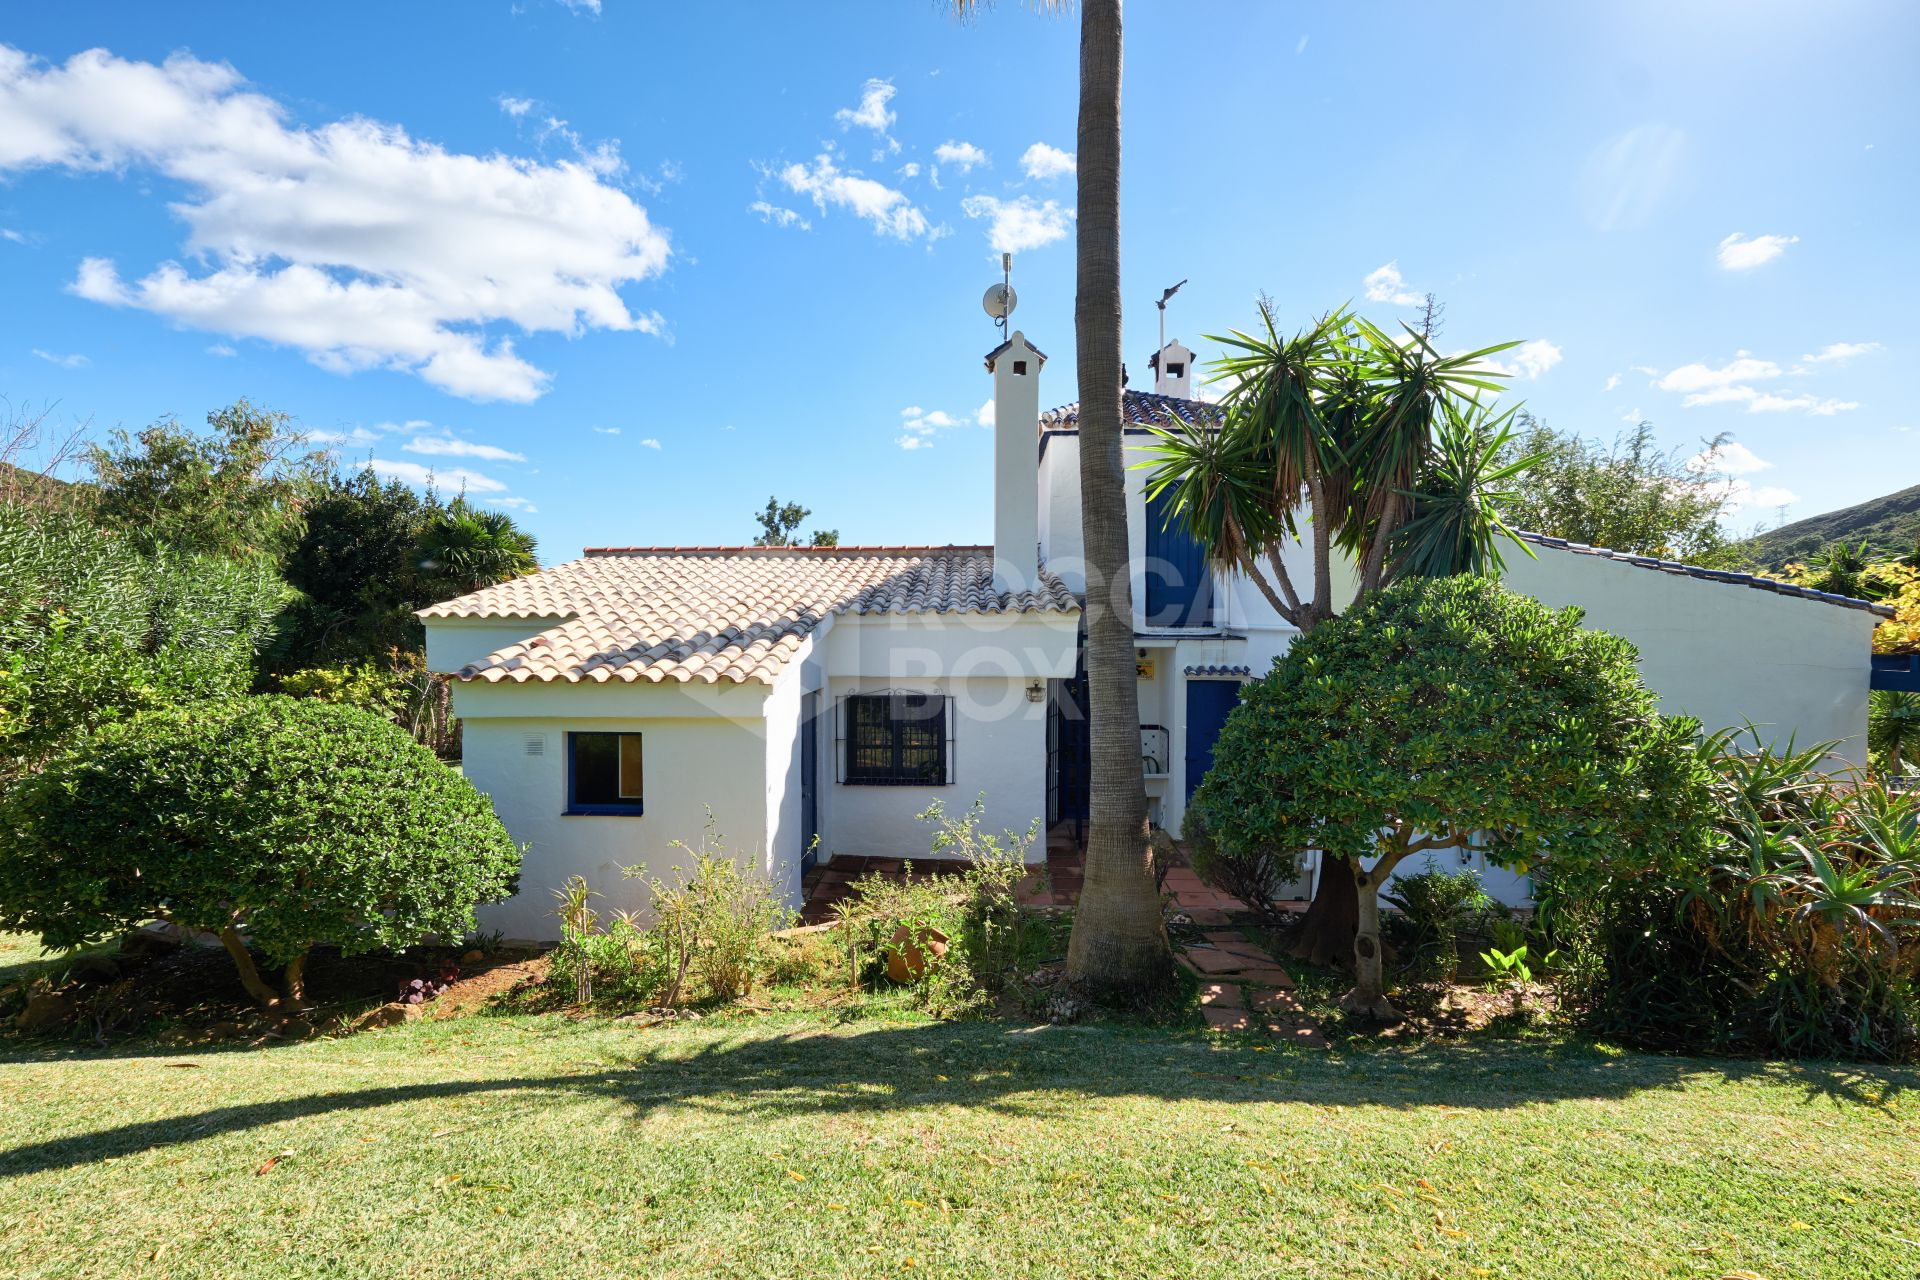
(1031,1072)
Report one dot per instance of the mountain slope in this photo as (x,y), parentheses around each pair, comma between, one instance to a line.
(1887,524)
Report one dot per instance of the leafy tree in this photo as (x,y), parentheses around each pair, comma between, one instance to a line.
(464,548)
(1401,465)
(236,491)
(780,523)
(1630,495)
(1439,713)
(356,567)
(277,823)
(93,632)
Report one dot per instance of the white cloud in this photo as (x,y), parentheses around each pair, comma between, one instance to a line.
(607,431)
(911,169)
(518,504)
(224,350)
(1818,406)
(651,443)
(73,361)
(1738,495)
(889,212)
(1044,163)
(8,233)
(1732,458)
(1632,415)
(963,155)
(583,6)
(1385,284)
(1700,377)
(1738,253)
(917,426)
(872,113)
(1300,46)
(515,107)
(1021,224)
(453,447)
(352,242)
(1613,381)
(1536,357)
(778,216)
(984,415)
(1841,352)
(359,437)
(451,480)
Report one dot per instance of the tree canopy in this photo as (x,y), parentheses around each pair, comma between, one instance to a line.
(1446,712)
(780,527)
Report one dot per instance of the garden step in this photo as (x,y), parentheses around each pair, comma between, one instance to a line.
(1274,977)
(1222,995)
(1276,1002)
(1220,1019)
(1209,960)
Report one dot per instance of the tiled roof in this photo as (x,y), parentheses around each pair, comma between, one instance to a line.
(1141,409)
(1710,575)
(710,614)
(1215,670)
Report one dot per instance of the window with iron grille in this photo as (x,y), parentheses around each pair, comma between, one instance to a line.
(895,739)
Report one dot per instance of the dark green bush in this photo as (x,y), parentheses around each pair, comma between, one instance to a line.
(286,822)
(1434,907)
(1255,871)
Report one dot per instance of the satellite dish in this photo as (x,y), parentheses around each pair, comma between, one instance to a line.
(999,301)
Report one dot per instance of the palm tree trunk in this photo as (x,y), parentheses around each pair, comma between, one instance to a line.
(1119,943)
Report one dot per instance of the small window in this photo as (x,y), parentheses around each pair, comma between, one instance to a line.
(897,740)
(1019,368)
(604,773)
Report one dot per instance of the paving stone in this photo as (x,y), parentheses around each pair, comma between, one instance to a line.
(1299,1031)
(1274,1001)
(1222,995)
(1207,960)
(1224,1019)
(1205,915)
(1258,977)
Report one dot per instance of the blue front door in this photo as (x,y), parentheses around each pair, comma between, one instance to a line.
(1208,702)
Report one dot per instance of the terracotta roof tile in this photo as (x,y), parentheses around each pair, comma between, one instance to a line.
(715,614)
(1141,409)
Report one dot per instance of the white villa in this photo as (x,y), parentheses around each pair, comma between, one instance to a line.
(815,699)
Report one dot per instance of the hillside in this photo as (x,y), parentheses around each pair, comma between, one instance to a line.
(1890,523)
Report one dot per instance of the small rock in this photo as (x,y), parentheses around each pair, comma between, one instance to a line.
(473,957)
(1067,1007)
(45,1012)
(94,970)
(155,939)
(389,1015)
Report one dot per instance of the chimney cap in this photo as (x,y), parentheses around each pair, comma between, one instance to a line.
(1019,337)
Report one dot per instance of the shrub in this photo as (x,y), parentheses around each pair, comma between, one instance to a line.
(989,937)
(1254,872)
(271,821)
(1441,712)
(714,921)
(620,963)
(1796,932)
(1434,907)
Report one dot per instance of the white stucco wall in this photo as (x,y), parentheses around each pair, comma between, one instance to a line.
(452,643)
(703,746)
(1000,750)
(1721,652)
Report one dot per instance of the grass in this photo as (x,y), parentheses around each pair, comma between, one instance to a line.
(805,1144)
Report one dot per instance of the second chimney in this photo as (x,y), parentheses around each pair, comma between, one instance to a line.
(1015,366)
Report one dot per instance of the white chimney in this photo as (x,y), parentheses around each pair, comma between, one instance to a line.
(1015,366)
(1173,371)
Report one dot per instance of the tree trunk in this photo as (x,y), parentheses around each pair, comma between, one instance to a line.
(1119,944)
(296,981)
(249,975)
(1325,933)
(1368,999)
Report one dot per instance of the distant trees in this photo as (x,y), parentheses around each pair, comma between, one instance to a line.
(780,527)
(1630,495)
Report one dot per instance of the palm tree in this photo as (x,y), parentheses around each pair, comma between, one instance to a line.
(1893,728)
(1382,446)
(465,548)
(1119,944)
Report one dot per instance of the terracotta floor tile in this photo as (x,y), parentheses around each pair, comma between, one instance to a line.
(1300,1032)
(1224,1019)
(1207,960)
(1222,995)
(1276,1001)
(1274,977)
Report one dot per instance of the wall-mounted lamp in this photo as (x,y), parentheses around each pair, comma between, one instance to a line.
(1036,692)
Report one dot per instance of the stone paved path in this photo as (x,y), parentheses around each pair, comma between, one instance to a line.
(1242,988)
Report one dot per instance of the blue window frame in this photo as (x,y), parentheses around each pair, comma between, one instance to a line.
(604,774)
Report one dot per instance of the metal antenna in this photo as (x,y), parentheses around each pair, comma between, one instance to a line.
(1006,281)
(1162,304)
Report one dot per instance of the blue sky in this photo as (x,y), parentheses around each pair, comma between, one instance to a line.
(631,268)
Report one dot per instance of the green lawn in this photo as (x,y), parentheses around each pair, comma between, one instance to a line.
(795,1145)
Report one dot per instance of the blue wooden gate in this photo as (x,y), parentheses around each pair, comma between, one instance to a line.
(1179,586)
(1208,702)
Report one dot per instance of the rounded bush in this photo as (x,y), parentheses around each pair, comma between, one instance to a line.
(294,821)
